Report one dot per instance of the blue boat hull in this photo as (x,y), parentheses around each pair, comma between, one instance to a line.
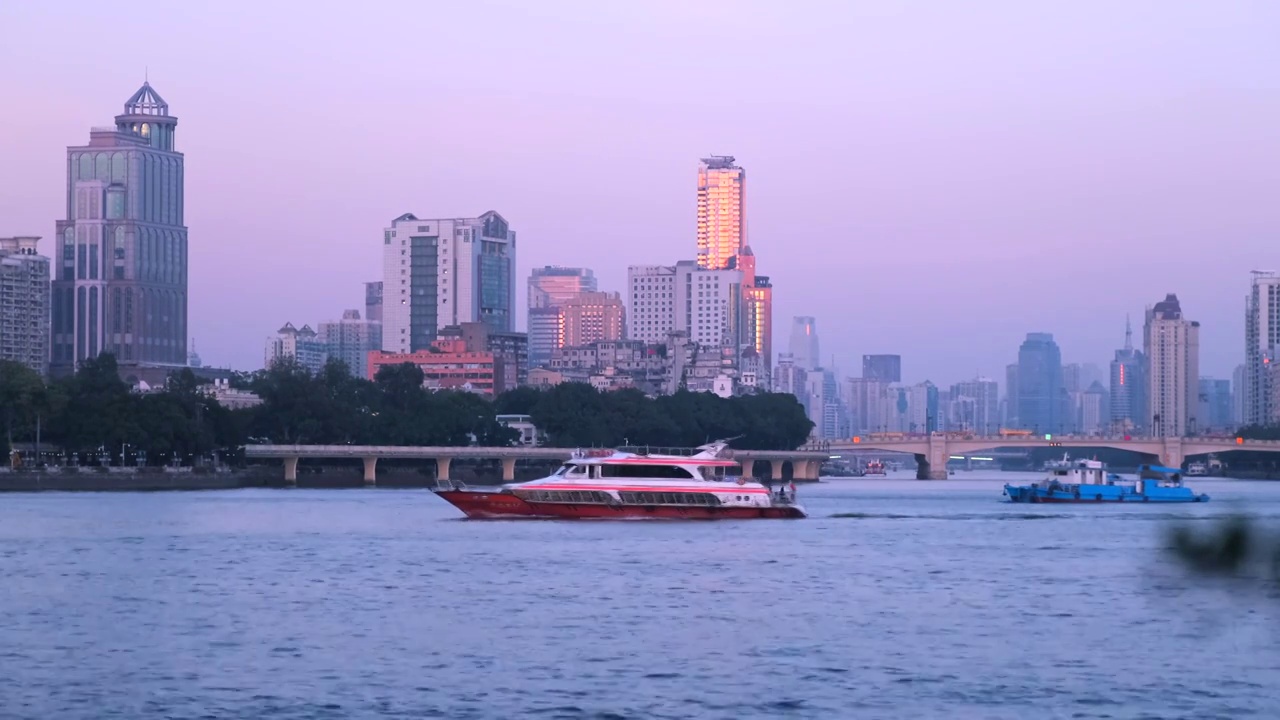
(1101,493)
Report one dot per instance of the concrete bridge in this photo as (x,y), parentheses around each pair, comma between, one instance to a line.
(805,464)
(932,451)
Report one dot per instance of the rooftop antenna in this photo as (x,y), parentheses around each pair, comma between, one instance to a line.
(1128,334)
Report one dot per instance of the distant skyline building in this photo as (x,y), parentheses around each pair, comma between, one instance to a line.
(1238,381)
(440,272)
(1217,408)
(886,368)
(1172,346)
(1041,401)
(1011,419)
(24,303)
(301,346)
(1094,412)
(550,287)
(373,301)
(722,218)
(554,285)
(805,351)
(350,340)
(1261,343)
(1128,396)
(120,270)
(591,317)
(977,404)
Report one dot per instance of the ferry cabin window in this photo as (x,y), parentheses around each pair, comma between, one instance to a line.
(712,473)
(577,471)
(661,472)
(654,498)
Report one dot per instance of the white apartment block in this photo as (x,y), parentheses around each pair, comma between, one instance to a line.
(443,272)
(684,298)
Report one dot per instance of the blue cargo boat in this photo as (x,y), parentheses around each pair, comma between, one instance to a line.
(1078,481)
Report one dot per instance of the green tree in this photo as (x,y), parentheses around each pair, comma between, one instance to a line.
(23,399)
(100,409)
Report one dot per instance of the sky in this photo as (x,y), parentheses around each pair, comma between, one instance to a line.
(930,179)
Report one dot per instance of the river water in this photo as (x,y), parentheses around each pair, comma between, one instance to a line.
(897,599)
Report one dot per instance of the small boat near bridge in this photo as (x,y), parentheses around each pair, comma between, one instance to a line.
(1087,481)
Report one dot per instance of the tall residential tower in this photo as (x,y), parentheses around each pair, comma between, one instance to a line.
(722,217)
(120,263)
(24,303)
(1261,338)
(1172,346)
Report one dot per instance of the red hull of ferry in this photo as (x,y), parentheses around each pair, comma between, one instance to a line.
(497,506)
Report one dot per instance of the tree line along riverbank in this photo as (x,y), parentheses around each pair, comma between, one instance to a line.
(96,417)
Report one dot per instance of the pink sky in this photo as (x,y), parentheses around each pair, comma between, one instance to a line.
(931,179)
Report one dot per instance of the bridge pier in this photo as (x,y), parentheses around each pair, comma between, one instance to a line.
(777,468)
(933,464)
(748,466)
(291,471)
(508,469)
(1172,456)
(442,468)
(370,470)
(812,470)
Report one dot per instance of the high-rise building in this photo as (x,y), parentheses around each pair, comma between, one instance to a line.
(722,218)
(351,340)
(444,272)
(1238,380)
(593,317)
(786,377)
(1261,347)
(546,335)
(1041,401)
(1094,413)
(1011,419)
(1216,412)
(1172,346)
(550,287)
(887,368)
(24,303)
(120,275)
(652,289)
(755,334)
(685,298)
(868,402)
(301,346)
(804,342)
(373,301)
(708,305)
(1128,401)
(977,403)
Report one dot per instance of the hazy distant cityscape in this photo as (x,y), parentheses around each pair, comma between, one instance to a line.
(114,280)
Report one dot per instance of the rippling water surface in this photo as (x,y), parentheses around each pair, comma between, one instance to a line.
(898,599)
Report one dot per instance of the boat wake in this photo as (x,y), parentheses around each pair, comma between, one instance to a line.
(957,516)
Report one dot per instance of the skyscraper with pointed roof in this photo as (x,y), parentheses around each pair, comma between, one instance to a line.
(120,263)
(1128,412)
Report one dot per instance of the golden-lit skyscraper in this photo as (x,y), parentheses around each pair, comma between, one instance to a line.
(722,218)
